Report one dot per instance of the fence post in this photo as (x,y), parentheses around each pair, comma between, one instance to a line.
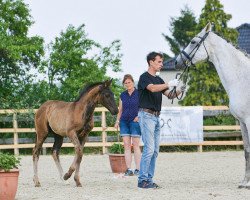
(44,150)
(199,148)
(15,127)
(237,138)
(237,146)
(104,133)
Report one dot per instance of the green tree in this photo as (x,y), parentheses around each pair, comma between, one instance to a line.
(18,52)
(205,87)
(75,60)
(181,30)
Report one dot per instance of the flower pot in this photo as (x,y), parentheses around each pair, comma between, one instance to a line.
(8,184)
(117,163)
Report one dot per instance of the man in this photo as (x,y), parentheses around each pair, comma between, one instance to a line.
(151,88)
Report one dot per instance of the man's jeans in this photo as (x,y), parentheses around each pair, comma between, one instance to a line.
(150,130)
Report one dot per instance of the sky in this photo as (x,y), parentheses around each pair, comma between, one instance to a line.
(138,24)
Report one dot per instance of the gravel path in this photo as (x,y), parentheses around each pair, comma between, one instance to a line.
(212,175)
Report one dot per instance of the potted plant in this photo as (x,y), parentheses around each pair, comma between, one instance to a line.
(117,158)
(8,176)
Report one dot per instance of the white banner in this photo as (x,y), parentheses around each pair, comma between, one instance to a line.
(181,124)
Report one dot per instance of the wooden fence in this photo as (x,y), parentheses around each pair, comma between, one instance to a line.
(209,131)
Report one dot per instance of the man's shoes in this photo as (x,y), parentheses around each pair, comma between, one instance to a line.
(156,186)
(136,172)
(129,172)
(147,185)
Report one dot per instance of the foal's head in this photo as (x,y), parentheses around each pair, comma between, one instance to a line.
(107,97)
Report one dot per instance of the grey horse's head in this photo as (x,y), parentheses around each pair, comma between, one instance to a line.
(196,51)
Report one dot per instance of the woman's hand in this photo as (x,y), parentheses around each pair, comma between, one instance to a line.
(116,125)
(136,119)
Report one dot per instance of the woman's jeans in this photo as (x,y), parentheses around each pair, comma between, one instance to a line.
(150,130)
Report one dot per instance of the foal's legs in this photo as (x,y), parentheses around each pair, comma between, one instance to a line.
(41,136)
(246,140)
(82,141)
(77,160)
(55,153)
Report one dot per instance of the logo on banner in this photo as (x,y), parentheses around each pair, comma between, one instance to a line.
(181,124)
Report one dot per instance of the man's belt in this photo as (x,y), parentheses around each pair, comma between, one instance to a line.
(155,113)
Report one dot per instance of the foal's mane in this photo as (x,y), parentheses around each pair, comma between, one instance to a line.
(86,89)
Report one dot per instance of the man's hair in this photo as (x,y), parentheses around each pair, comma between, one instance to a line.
(127,76)
(152,55)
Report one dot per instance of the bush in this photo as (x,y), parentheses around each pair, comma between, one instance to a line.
(8,162)
(116,148)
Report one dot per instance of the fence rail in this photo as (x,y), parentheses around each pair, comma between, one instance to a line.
(232,131)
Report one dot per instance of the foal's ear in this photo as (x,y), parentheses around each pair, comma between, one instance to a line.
(107,83)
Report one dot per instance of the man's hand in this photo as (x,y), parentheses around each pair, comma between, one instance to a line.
(136,119)
(173,83)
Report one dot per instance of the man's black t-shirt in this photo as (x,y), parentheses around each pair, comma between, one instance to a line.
(147,99)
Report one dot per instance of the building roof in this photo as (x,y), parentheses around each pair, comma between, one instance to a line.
(244,37)
(169,64)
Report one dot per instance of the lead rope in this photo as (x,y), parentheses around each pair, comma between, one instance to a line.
(119,142)
(118,134)
(120,150)
(122,174)
(182,76)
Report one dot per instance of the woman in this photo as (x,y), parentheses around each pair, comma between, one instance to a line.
(127,120)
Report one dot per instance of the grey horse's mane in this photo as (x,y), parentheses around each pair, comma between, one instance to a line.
(233,44)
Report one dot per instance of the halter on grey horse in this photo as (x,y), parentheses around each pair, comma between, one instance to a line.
(233,68)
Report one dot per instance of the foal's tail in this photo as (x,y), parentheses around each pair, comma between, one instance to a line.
(41,125)
(43,128)
(41,122)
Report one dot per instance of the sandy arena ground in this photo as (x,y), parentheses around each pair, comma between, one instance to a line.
(196,176)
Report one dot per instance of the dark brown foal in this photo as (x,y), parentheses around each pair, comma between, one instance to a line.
(71,119)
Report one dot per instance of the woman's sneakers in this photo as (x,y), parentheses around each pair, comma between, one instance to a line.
(136,172)
(129,172)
